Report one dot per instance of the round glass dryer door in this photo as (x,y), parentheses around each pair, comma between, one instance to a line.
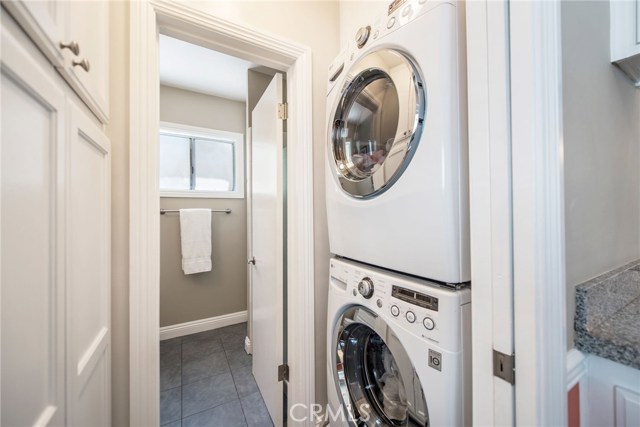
(377,122)
(376,380)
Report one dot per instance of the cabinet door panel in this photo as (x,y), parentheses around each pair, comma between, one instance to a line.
(44,23)
(88,24)
(88,267)
(31,263)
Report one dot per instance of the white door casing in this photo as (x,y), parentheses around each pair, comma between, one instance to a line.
(491,206)
(267,228)
(523,38)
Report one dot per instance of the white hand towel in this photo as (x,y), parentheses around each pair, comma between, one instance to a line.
(195,237)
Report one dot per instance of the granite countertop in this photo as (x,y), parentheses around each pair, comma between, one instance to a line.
(607,321)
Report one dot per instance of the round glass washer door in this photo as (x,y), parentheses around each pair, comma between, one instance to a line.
(377,383)
(377,122)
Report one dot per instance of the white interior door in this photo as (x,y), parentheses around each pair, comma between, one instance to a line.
(267,222)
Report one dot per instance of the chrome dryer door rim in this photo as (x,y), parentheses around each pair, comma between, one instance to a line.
(377,122)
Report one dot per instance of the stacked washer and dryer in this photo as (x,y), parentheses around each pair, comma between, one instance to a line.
(399,314)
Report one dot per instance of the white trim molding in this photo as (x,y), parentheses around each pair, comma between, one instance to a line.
(538,213)
(148,18)
(576,367)
(208,324)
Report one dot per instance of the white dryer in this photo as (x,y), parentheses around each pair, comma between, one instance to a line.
(399,350)
(396,175)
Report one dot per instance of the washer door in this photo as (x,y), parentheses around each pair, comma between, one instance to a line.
(377,122)
(377,383)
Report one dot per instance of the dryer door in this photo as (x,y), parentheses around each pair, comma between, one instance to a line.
(377,382)
(376,123)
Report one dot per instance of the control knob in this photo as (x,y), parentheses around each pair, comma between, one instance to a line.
(362,36)
(365,287)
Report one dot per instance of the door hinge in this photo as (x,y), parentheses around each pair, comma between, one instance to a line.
(283,372)
(504,366)
(283,111)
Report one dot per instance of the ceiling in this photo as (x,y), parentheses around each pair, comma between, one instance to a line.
(198,69)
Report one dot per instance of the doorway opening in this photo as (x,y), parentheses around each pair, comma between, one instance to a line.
(297,326)
(221,236)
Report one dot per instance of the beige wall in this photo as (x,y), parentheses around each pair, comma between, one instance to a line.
(601,149)
(286,19)
(223,290)
(118,132)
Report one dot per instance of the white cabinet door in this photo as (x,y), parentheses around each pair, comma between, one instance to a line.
(267,216)
(44,22)
(88,272)
(52,24)
(55,248)
(31,256)
(88,25)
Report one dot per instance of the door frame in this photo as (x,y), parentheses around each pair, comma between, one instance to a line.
(532,195)
(147,18)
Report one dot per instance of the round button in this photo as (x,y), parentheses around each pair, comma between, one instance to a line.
(379,303)
(407,10)
(391,22)
(411,317)
(395,310)
(429,323)
(355,293)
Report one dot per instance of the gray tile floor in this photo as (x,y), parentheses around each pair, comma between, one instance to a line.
(206,381)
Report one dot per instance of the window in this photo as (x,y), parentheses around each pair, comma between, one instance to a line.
(200,162)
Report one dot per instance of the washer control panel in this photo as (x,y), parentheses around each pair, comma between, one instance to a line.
(426,309)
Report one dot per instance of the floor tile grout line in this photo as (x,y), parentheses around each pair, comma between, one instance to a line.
(213,407)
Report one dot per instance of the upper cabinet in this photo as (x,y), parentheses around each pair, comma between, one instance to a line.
(74,36)
(625,37)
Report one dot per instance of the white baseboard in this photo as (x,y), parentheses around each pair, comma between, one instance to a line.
(576,367)
(247,345)
(179,330)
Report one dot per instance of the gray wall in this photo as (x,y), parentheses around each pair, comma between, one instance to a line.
(602,151)
(184,298)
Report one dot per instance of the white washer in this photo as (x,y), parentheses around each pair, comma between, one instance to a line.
(399,350)
(397,157)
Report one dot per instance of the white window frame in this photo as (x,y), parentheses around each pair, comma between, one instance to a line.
(237,139)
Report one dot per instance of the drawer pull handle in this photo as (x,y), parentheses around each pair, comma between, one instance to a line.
(84,64)
(72,46)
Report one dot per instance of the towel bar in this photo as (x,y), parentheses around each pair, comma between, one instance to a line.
(164,211)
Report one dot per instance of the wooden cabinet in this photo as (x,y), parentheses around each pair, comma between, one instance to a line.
(54,246)
(625,37)
(74,36)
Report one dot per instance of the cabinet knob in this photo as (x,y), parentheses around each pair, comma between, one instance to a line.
(84,64)
(72,46)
